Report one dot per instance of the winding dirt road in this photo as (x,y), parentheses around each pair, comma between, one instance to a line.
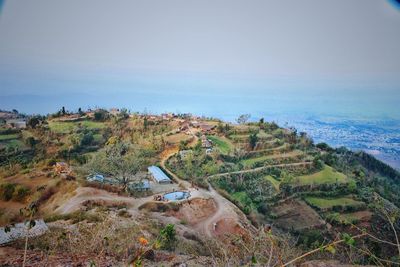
(224,208)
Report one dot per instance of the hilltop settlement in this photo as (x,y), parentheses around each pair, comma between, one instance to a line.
(114,188)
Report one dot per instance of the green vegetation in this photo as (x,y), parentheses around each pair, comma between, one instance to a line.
(330,203)
(259,160)
(327,176)
(15,143)
(167,238)
(5,137)
(273,181)
(16,192)
(66,127)
(75,217)
(222,144)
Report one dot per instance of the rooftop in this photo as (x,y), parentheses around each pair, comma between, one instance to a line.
(158,174)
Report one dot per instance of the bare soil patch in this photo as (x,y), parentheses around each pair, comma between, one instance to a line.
(297,215)
(195,210)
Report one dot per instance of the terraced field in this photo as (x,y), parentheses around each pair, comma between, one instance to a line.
(277,157)
(67,127)
(222,143)
(6,137)
(11,141)
(330,203)
(326,176)
(275,183)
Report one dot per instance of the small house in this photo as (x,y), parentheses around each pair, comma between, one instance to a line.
(205,143)
(17,123)
(143,185)
(158,175)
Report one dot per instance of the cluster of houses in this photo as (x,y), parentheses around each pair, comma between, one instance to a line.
(12,120)
(154,173)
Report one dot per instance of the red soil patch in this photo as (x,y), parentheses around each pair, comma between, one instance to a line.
(229,226)
(194,210)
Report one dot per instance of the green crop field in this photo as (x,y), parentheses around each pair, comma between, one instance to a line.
(6,137)
(249,162)
(327,203)
(222,143)
(326,176)
(14,143)
(273,181)
(244,199)
(66,127)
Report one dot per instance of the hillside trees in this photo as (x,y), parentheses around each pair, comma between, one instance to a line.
(243,118)
(101,115)
(121,161)
(253,140)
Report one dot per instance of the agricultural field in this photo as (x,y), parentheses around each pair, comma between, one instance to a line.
(6,137)
(329,203)
(353,217)
(222,143)
(11,141)
(251,161)
(67,127)
(296,215)
(275,183)
(327,176)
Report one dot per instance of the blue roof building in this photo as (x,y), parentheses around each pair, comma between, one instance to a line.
(159,175)
(96,178)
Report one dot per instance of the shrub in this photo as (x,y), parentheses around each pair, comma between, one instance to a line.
(76,217)
(167,237)
(7,191)
(20,193)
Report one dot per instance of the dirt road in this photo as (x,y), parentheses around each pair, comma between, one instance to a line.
(225,209)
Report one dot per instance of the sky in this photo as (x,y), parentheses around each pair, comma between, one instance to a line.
(58,47)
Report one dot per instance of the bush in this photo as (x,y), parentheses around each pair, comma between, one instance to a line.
(76,217)
(7,191)
(20,193)
(167,237)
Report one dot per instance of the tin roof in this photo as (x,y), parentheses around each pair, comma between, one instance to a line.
(158,174)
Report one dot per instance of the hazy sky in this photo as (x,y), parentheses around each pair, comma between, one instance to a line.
(304,39)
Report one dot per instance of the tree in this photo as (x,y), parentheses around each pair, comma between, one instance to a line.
(87,139)
(227,127)
(30,141)
(120,161)
(220,127)
(167,238)
(145,123)
(101,115)
(243,118)
(80,111)
(63,110)
(33,122)
(253,140)
(123,114)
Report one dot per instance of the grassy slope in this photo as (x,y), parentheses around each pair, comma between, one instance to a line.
(251,161)
(66,127)
(222,143)
(326,176)
(273,181)
(5,137)
(326,203)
